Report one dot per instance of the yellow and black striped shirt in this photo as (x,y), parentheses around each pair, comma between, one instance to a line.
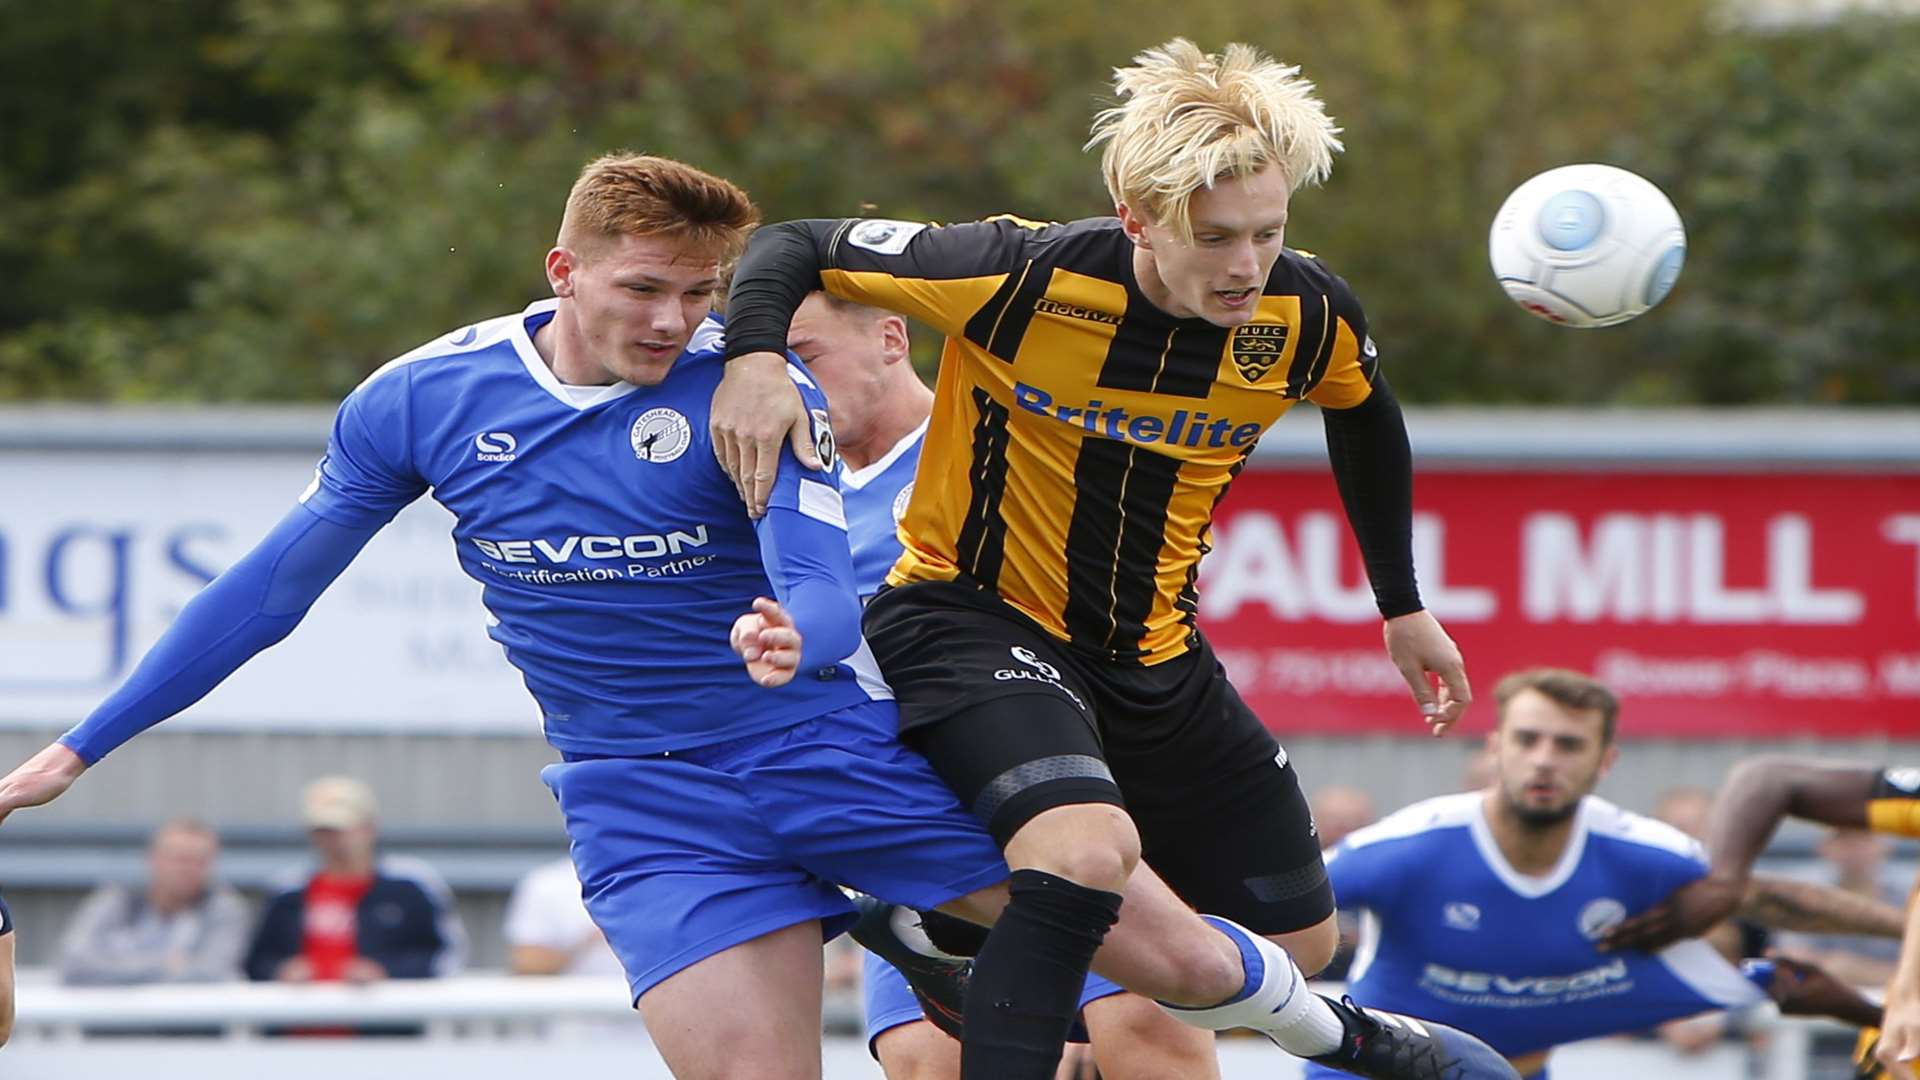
(1081,437)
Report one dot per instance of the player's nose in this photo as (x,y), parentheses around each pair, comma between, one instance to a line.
(1244,264)
(668,320)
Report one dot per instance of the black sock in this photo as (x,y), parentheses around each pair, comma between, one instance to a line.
(950,935)
(1027,979)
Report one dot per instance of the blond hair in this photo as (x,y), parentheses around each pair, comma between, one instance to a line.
(625,194)
(1187,119)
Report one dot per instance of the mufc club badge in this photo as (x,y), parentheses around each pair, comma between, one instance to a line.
(1257,348)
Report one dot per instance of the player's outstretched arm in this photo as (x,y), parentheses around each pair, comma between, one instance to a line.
(1809,908)
(1373,467)
(1758,793)
(258,601)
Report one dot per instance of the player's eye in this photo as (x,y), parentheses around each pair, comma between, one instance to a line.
(1268,236)
(640,288)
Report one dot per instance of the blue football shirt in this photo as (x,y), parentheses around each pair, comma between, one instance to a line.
(613,552)
(1453,933)
(876,496)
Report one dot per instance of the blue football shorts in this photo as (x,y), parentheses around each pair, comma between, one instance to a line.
(889,1003)
(686,854)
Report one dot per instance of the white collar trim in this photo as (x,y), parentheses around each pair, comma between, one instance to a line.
(861,477)
(542,374)
(1530,888)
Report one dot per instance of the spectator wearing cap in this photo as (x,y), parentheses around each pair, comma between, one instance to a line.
(182,925)
(357,916)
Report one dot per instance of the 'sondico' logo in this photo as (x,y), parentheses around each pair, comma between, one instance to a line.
(494,446)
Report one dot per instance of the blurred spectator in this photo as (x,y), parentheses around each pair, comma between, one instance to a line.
(6,972)
(1337,811)
(1856,861)
(183,926)
(1478,775)
(358,917)
(547,927)
(1688,809)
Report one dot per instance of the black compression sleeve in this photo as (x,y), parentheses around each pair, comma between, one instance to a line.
(1373,465)
(780,267)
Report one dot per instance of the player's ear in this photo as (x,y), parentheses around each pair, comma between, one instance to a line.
(893,338)
(1133,225)
(561,264)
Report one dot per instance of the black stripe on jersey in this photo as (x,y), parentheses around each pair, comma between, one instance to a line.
(1314,346)
(1002,321)
(1113,544)
(983,535)
(1155,354)
(1188,602)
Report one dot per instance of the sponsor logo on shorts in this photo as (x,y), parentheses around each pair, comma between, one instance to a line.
(1042,672)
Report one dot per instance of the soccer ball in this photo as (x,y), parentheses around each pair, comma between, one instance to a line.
(1587,245)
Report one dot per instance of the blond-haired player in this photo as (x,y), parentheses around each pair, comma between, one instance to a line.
(1102,382)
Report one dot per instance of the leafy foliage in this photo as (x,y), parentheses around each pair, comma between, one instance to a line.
(264,199)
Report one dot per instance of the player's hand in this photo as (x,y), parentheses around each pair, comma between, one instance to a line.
(756,407)
(1076,1063)
(40,779)
(768,641)
(1689,911)
(1805,990)
(1422,650)
(1899,1045)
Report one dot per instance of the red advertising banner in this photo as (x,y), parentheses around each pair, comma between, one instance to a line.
(1715,605)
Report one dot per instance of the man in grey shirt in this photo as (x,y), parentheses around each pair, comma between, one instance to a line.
(184,926)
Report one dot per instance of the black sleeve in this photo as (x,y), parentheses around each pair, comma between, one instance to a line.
(939,274)
(1373,466)
(781,266)
(6,918)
